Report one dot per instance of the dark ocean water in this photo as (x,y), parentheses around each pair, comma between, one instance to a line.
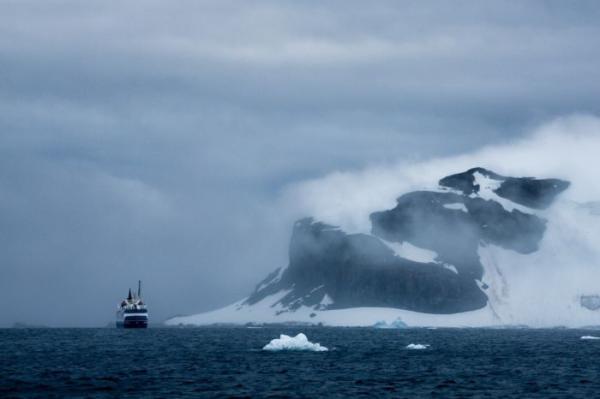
(229,362)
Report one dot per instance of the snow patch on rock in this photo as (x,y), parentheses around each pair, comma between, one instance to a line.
(458,206)
(487,188)
(409,251)
(450,267)
(326,301)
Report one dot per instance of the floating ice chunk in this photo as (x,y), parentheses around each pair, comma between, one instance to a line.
(297,343)
(417,346)
(398,323)
(589,337)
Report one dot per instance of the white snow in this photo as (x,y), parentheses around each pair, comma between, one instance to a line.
(263,313)
(326,301)
(417,346)
(487,185)
(589,337)
(236,313)
(276,279)
(316,288)
(458,206)
(409,251)
(567,265)
(450,267)
(298,343)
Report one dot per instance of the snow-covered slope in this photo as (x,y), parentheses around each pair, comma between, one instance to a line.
(478,250)
(269,310)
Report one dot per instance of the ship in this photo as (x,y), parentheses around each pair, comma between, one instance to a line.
(132,312)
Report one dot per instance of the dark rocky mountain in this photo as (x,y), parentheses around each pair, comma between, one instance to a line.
(527,191)
(329,269)
(420,218)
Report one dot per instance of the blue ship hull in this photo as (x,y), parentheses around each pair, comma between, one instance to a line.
(132,324)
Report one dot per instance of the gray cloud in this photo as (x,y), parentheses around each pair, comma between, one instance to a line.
(153,139)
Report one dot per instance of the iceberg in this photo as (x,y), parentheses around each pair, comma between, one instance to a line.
(298,343)
(417,346)
(398,323)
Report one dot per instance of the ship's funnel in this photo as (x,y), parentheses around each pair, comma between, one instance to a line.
(129,296)
(139,288)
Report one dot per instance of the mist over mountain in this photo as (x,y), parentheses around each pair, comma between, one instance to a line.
(478,248)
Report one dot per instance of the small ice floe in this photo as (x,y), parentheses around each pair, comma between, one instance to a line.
(589,337)
(297,343)
(417,346)
(398,323)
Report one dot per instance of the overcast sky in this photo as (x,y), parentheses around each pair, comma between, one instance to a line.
(154,140)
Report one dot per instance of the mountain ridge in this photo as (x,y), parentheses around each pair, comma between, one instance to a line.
(330,270)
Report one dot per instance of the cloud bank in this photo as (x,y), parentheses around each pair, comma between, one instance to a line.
(565,148)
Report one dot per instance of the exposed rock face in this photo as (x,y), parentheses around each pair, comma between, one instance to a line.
(329,269)
(360,270)
(422,219)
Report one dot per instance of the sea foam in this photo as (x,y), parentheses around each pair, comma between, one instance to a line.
(297,343)
(589,337)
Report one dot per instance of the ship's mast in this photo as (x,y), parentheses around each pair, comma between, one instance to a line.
(139,289)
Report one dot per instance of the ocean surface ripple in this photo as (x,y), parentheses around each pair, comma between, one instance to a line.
(230,362)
